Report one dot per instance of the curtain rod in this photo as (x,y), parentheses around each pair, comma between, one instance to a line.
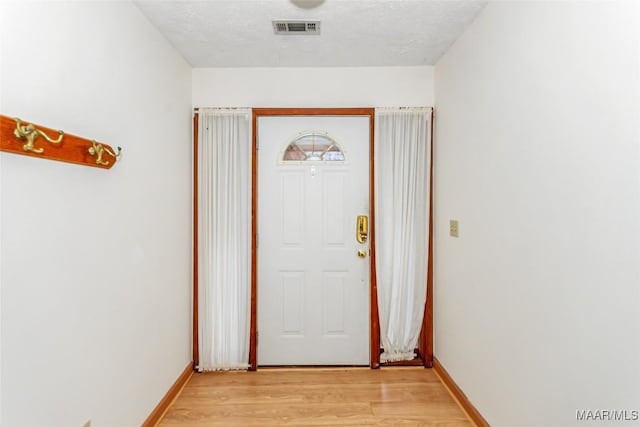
(416,109)
(377,108)
(196,109)
(381,110)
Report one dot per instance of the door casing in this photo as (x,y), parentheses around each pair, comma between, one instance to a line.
(332,286)
(425,343)
(374,328)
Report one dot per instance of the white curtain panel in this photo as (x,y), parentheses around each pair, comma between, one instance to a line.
(402,163)
(224,235)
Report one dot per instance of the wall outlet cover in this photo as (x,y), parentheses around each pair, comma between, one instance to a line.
(453,227)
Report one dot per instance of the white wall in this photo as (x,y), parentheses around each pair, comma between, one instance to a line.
(95,264)
(537,155)
(313,87)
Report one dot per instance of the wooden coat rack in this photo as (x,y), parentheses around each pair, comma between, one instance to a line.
(33,140)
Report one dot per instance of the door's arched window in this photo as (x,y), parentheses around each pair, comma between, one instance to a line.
(313,146)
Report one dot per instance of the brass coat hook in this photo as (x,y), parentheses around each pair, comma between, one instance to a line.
(24,138)
(30,133)
(98,150)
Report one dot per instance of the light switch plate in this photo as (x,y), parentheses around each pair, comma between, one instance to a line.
(453,227)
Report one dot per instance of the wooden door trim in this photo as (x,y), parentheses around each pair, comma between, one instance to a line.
(374,340)
(195,338)
(374,329)
(426,333)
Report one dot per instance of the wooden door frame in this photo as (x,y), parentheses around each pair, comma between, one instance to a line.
(425,343)
(195,338)
(374,328)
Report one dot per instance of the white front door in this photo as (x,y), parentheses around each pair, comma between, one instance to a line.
(313,288)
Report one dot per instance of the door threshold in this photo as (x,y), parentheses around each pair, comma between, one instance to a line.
(311,367)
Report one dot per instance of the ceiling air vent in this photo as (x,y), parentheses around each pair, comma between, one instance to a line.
(293,26)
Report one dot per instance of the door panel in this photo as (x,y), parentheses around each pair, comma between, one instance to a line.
(313,289)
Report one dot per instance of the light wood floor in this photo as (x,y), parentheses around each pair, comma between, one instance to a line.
(311,397)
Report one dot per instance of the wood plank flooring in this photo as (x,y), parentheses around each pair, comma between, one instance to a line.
(391,396)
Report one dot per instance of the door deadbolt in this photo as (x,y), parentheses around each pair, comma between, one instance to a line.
(362,228)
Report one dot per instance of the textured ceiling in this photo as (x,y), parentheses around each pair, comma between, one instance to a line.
(239,33)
